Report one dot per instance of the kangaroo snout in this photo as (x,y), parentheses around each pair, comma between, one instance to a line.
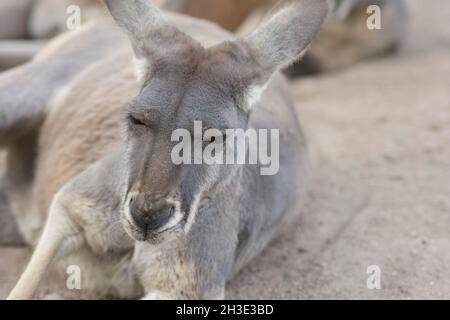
(150,216)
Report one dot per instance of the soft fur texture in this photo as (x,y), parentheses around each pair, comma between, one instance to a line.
(93,151)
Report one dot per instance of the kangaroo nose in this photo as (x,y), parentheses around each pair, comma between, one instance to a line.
(153,219)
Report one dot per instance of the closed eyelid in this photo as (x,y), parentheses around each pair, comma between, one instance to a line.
(149,116)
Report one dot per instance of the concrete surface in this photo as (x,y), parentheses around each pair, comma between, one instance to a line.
(380,141)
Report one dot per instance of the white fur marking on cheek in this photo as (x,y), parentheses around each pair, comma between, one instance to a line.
(192,214)
(140,68)
(178,216)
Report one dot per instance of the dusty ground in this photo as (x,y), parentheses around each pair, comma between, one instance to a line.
(380,141)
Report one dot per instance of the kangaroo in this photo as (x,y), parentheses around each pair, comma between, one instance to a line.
(14,15)
(345,38)
(25,25)
(138,225)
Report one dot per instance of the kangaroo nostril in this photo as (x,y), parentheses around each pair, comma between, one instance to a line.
(137,215)
(151,220)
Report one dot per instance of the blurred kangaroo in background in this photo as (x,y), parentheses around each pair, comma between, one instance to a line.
(344,41)
(345,38)
(90,144)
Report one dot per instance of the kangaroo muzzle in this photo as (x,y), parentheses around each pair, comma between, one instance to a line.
(152,216)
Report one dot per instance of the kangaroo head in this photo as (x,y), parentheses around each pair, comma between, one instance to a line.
(184,83)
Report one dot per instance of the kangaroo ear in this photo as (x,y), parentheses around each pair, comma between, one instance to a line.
(277,43)
(151,35)
(282,39)
(139,18)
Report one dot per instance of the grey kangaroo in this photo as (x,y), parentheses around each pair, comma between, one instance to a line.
(136,224)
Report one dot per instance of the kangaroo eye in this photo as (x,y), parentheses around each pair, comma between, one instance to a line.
(135,121)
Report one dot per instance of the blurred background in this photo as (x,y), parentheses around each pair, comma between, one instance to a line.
(25,25)
(375,107)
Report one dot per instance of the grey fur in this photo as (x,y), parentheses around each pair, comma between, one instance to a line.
(281,39)
(230,212)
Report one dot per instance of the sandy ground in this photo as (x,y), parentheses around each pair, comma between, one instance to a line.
(379,136)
